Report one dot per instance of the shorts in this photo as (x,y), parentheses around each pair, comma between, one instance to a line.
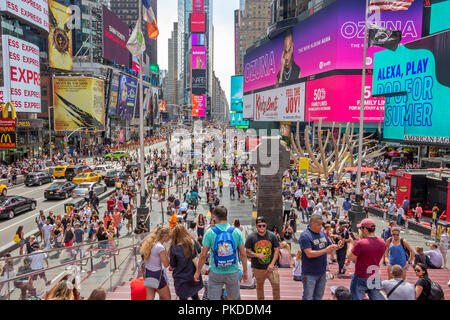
(68,244)
(157,275)
(216,281)
(40,275)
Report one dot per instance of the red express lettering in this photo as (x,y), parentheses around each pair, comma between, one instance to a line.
(13,43)
(14,56)
(31,49)
(25,76)
(16,92)
(28,14)
(33,4)
(35,94)
(32,105)
(30,61)
(12,6)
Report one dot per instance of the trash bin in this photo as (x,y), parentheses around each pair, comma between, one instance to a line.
(75,204)
(442,226)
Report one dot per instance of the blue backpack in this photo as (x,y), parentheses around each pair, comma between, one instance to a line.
(224,250)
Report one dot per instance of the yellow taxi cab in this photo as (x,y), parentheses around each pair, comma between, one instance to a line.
(60,171)
(87,177)
(3,190)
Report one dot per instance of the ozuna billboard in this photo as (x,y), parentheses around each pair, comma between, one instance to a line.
(21,72)
(338,98)
(419,69)
(281,104)
(32,12)
(330,39)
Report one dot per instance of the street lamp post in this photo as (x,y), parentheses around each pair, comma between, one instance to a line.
(50,133)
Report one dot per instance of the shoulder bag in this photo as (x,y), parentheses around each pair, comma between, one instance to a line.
(153,282)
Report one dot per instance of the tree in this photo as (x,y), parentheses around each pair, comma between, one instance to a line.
(343,144)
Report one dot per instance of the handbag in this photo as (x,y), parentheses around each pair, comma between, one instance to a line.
(153,282)
(16,238)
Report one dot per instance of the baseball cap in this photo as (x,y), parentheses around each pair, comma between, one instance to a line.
(260,219)
(341,293)
(342,222)
(366,223)
(35,245)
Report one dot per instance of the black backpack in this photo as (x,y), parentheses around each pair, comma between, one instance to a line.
(436,292)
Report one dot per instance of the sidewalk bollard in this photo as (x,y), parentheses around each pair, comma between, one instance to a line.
(92,262)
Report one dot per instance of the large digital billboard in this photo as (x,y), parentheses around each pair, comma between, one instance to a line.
(79,102)
(248,102)
(198,39)
(332,38)
(198,6)
(439,16)
(128,89)
(281,104)
(198,22)
(115,37)
(32,12)
(338,98)
(22,74)
(417,73)
(59,37)
(198,106)
(237,120)
(198,81)
(237,93)
(113,94)
(198,58)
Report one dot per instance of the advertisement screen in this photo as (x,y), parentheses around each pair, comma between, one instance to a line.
(281,104)
(237,93)
(34,12)
(237,119)
(146,98)
(79,102)
(128,89)
(198,6)
(419,68)
(198,22)
(198,81)
(113,95)
(21,72)
(198,106)
(338,98)
(198,39)
(198,58)
(115,37)
(440,13)
(334,40)
(248,102)
(60,38)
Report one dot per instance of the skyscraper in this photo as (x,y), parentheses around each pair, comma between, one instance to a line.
(172,77)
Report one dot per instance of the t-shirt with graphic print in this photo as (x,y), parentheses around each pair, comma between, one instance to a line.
(259,244)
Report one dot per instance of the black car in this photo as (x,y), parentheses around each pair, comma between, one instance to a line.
(59,190)
(72,171)
(38,178)
(112,177)
(12,205)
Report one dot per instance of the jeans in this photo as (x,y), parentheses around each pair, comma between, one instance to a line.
(358,287)
(274,278)
(341,255)
(304,213)
(399,220)
(314,286)
(390,216)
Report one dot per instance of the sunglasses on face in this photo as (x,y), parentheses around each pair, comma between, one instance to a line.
(417,270)
(395,234)
(261,225)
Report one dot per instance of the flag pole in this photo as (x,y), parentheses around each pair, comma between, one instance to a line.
(361,112)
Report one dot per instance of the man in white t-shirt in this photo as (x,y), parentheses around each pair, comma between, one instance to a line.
(37,258)
(400,214)
(47,233)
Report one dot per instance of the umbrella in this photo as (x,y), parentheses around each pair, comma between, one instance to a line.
(363,169)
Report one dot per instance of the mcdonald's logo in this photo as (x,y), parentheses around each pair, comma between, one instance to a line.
(4,120)
(7,140)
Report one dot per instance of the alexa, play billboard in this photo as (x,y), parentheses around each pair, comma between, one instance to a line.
(332,38)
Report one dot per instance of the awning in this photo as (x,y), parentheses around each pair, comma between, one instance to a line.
(363,169)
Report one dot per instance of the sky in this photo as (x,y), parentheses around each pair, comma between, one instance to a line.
(223,21)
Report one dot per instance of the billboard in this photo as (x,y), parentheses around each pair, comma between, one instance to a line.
(439,21)
(198,58)
(21,72)
(113,95)
(198,39)
(338,98)
(237,119)
(418,73)
(198,81)
(146,97)
(31,12)
(59,37)
(79,102)
(248,102)
(281,104)
(198,22)
(198,106)
(237,93)
(128,89)
(8,138)
(332,38)
(198,6)
(115,37)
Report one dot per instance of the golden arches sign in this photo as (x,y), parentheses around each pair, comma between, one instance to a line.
(6,121)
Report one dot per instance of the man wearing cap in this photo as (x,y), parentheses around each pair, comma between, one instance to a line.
(315,246)
(367,252)
(37,258)
(340,293)
(263,248)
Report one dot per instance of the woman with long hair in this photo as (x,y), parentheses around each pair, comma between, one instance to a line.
(19,233)
(423,285)
(156,259)
(63,290)
(201,223)
(183,250)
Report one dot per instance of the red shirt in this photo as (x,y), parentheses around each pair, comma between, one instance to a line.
(304,202)
(110,204)
(369,252)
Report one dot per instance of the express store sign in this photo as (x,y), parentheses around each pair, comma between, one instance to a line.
(21,71)
(33,12)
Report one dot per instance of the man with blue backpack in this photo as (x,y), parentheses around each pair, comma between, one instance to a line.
(227,246)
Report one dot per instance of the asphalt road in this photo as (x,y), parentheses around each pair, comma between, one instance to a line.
(27,219)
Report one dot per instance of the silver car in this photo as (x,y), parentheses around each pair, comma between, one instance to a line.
(83,188)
